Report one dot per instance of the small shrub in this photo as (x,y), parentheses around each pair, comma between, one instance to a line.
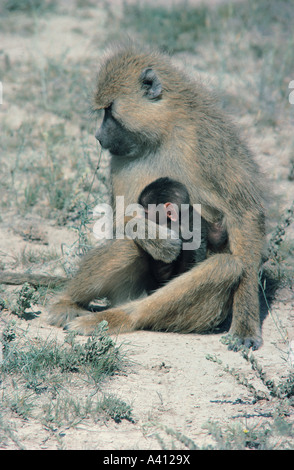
(26,297)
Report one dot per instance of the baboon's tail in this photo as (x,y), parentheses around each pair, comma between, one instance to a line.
(36,280)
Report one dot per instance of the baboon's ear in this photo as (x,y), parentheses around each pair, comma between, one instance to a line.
(151,84)
(171,211)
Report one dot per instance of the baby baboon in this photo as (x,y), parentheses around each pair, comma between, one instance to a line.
(166,201)
(159,122)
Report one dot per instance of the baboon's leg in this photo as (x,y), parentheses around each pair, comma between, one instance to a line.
(246,311)
(195,301)
(119,271)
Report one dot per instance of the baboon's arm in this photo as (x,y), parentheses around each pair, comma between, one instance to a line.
(246,244)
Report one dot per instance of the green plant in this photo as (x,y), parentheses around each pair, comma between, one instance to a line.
(70,411)
(41,375)
(28,6)
(3,303)
(30,256)
(264,435)
(8,334)
(116,408)
(291,171)
(278,235)
(31,194)
(240,436)
(7,432)
(26,297)
(282,391)
(98,357)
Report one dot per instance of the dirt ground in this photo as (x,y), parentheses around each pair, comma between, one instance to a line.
(168,380)
(171,385)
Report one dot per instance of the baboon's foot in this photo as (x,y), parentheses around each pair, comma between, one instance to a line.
(118,322)
(63,311)
(235,342)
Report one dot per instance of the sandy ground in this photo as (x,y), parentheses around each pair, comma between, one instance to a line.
(170,384)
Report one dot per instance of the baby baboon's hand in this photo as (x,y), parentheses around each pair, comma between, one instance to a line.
(166,250)
(159,242)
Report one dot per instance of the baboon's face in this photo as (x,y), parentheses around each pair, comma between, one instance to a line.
(124,130)
(113,136)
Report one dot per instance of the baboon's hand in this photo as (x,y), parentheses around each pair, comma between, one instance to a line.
(159,241)
(164,250)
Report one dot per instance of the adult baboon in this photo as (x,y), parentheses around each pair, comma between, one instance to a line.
(160,123)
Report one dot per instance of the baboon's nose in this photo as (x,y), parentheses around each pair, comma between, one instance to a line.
(98,135)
